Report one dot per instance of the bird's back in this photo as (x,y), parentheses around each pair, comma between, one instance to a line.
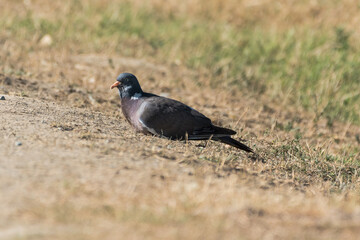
(173,119)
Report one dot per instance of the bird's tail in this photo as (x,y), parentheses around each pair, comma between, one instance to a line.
(222,131)
(232,142)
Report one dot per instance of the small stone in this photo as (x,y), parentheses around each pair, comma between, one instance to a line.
(2,98)
(18,143)
(46,40)
(92,80)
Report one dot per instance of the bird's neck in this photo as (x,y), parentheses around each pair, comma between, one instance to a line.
(130,93)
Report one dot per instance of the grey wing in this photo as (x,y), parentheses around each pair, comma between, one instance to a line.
(173,119)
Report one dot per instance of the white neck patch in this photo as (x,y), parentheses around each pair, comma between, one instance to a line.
(136,96)
(127,88)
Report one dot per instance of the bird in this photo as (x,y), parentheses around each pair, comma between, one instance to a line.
(164,117)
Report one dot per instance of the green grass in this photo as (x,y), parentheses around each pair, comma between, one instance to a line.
(302,165)
(318,70)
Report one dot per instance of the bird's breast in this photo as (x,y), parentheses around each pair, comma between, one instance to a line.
(132,110)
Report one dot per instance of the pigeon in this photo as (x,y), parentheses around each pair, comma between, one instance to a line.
(164,117)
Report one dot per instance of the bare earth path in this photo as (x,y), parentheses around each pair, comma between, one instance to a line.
(77,175)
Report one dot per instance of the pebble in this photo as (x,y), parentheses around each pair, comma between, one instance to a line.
(2,98)
(46,40)
(18,143)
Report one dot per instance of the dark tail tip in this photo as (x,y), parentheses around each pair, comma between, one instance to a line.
(232,142)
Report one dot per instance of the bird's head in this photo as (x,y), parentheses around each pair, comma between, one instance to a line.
(128,85)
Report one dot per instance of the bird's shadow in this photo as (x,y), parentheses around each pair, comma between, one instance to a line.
(256,157)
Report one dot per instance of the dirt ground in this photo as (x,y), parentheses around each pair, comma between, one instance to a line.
(72,168)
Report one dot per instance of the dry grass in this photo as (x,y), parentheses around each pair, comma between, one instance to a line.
(283,14)
(82,173)
(313,64)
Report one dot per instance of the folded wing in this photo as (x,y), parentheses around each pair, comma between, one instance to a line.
(175,120)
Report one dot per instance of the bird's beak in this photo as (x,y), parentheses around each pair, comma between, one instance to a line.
(116,84)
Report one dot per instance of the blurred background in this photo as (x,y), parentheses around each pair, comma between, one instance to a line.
(303,54)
